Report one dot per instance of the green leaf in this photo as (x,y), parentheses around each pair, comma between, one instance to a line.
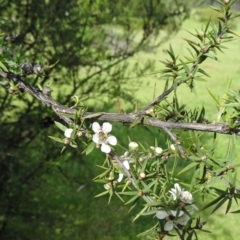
(185,66)
(60,126)
(210,56)
(150,212)
(53,65)
(171,53)
(89,148)
(56,139)
(149,231)
(237,211)
(3,66)
(229,205)
(138,120)
(189,166)
(135,198)
(119,196)
(216,100)
(129,193)
(224,199)
(203,72)
(213,202)
(231,104)
(140,213)
(72,144)
(101,194)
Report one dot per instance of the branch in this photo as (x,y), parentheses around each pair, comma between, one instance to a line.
(62,111)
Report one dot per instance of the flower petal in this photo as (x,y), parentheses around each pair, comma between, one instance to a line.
(107,127)
(105,148)
(112,140)
(96,127)
(68,132)
(161,214)
(186,197)
(96,138)
(168,226)
(183,220)
(173,191)
(177,213)
(177,187)
(126,164)
(120,177)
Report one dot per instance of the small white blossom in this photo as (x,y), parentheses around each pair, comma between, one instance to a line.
(185,196)
(68,132)
(171,217)
(102,138)
(133,145)
(152,148)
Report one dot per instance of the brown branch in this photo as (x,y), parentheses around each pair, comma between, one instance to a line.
(130,118)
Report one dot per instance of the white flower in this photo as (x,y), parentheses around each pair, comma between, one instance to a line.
(133,145)
(185,196)
(158,150)
(101,136)
(68,132)
(126,165)
(171,217)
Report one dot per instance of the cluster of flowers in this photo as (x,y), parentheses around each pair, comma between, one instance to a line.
(173,218)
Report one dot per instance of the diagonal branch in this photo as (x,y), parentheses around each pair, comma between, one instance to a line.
(62,111)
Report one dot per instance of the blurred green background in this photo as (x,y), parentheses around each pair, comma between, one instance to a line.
(48,195)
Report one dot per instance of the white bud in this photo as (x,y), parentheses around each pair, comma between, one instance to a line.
(158,150)
(172,146)
(38,69)
(133,145)
(142,175)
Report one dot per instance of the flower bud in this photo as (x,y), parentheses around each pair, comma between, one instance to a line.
(27,67)
(140,193)
(201,33)
(226,2)
(133,145)
(158,150)
(142,175)
(172,147)
(79,133)
(38,69)
(66,141)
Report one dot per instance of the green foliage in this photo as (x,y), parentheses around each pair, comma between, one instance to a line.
(83,48)
(144,176)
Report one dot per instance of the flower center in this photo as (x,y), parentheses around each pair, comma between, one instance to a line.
(102,137)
